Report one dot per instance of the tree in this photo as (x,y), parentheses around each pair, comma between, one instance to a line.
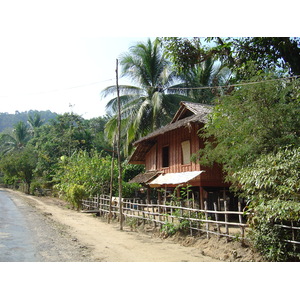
(148,105)
(35,121)
(272,185)
(20,164)
(255,134)
(209,73)
(267,52)
(255,119)
(97,127)
(17,140)
(84,174)
(63,136)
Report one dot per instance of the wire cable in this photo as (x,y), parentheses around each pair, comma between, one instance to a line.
(59,90)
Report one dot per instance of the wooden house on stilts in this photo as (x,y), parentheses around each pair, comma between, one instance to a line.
(166,154)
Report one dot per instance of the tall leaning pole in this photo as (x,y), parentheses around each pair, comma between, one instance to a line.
(118,149)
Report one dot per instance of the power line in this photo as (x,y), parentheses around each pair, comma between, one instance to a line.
(232,85)
(59,90)
(177,88)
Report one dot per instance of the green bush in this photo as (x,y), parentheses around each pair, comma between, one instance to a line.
(270,239)
(169,229)
(35,185)
(90,170)
(272,186)
(76,193)
(129,189)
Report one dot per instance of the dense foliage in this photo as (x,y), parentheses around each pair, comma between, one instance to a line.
(236,53)
(248,133)
(272,185)
(19,167)
(253,120)
(84,174)
(68,153)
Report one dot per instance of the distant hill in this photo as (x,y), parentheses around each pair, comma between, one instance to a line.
(8,120)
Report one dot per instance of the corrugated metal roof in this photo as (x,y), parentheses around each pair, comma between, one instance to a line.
(174,178)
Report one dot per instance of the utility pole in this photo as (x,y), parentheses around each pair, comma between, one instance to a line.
(111,180)
(118,150)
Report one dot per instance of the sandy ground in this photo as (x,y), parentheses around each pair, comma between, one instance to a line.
(96,240)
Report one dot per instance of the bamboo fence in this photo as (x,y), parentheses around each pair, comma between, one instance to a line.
(230,224)
(205,221)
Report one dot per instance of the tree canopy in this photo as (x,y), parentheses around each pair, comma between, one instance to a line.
(151,102)
(253,120)
(267,52)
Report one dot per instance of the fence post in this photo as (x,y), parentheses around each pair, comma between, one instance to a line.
(153,213)
(241,221)
(144,219)
(159,209)
(226,219)
(206,218)
(198,223)
(293,235)
(137,207)
(191,230)
(101,205)
(217,219)
(171,211)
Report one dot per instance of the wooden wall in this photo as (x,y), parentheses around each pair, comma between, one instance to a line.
(173,139)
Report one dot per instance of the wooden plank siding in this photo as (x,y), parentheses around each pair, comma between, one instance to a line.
(150,162)
(173,139)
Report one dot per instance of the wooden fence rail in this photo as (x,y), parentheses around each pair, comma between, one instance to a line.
(231,224)
(206,221)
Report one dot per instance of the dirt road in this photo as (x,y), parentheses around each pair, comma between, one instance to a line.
(95,240)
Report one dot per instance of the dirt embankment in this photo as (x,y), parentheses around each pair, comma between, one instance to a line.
(104,242)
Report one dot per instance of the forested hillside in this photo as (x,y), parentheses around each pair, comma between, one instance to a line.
(8,120)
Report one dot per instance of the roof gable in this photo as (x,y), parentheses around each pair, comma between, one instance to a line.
(187,113)
(188,109)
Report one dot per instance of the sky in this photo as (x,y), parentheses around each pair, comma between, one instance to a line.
(59,55)
(60,74)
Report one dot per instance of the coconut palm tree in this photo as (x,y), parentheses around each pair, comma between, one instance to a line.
(149,104)
(16,140)
(34,122)
(210,73)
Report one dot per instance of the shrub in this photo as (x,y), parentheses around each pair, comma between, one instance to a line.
(75,193)
(272,186)
(169,229)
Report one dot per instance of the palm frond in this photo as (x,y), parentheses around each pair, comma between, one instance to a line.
(7,143)
(151,103)
(124,89)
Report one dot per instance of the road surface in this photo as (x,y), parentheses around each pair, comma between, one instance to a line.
(28,235)
(44,229)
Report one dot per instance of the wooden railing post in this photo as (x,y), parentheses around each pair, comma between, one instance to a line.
(241,221)
(206,218)
(217,219)
(226,218)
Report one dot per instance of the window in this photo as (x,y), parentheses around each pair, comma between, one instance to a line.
(165,156)
(186,152)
